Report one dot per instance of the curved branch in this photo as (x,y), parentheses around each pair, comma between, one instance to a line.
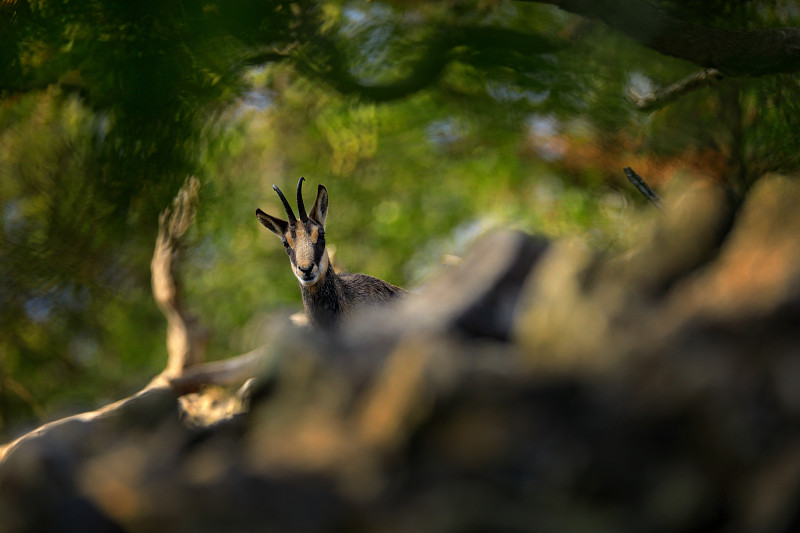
(662,97)
(185,336)
(732,52)
(334,70)
(271,54)
(438,53)
(232,371)
(155,400)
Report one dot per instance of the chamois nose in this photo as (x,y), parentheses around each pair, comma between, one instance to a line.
(306,270)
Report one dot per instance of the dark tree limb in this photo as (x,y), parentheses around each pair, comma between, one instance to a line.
(732,52)
(659,98)
(424,73)
(720,52)
(270,54)
(324,59)
(643,187)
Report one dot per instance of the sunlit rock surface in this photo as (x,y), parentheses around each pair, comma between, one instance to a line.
(534,387)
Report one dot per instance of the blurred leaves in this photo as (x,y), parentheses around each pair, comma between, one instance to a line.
(352,135)
(428,122)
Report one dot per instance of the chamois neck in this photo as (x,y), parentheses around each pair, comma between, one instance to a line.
(323,300)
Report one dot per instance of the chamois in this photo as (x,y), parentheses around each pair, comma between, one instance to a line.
(328,296)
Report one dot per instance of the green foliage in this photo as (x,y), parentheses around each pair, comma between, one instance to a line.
(427,123)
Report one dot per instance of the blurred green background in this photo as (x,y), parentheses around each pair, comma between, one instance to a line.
(429,123)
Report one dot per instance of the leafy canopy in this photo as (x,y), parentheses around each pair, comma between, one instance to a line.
(428,121)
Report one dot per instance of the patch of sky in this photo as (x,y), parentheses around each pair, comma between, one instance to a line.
(256,100)
(543,130)
(371,31)
(446,132)
(101,129)
(542,125)
(39,308)
(639,84)
(509,93)
(786,11)
(13,217)
(353,18)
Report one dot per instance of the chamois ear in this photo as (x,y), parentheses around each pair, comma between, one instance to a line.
(320,209)
(275,225)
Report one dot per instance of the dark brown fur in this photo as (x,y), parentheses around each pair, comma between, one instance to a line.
(338,295)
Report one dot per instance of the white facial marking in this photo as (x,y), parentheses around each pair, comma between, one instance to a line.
(304,256)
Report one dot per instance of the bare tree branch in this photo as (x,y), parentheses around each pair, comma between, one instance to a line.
(732,52)
(659,98)
(154,392)
(186,338)
(232,371)
(643,187)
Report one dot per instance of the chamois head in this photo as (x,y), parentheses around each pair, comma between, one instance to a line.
(303,239)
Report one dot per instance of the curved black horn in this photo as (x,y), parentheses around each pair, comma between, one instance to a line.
(301,209)
(289,212)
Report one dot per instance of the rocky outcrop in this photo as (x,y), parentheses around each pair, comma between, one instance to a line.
(535,387)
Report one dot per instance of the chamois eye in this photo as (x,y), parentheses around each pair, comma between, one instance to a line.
(286,245)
